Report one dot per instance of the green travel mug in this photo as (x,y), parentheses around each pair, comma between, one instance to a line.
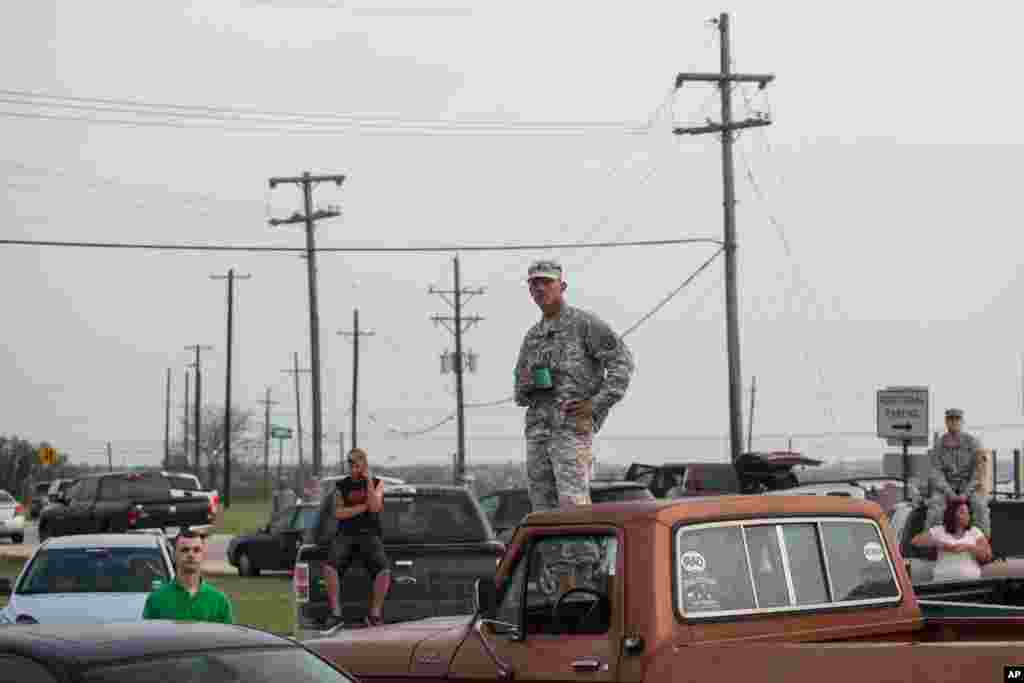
(542,378)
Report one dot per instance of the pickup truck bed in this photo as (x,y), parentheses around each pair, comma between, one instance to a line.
(776,588)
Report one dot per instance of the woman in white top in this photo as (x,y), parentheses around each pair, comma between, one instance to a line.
(962,547)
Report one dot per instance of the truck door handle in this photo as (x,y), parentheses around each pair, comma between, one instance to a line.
(589,664)
(405,579)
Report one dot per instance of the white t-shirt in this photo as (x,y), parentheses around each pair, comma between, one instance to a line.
(956,566)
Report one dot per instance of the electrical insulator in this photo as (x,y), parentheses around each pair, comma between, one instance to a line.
(445,366)
(471,361)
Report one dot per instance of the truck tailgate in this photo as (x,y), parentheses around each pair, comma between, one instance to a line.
(172,512)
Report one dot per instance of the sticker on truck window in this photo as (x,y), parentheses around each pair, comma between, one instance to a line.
(692,561)
(873,552)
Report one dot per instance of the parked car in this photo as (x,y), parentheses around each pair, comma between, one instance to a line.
(150,651)
(39,498)
(274,546)
(505,508)
(438,542)
(119,501)
(12,518)
(87,579)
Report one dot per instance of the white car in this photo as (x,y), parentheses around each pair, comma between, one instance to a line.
(87,579)
(12,518)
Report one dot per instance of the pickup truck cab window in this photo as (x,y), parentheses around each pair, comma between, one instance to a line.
(780,565)
(134,486)
(566,583)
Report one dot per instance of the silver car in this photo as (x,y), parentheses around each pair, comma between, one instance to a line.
(88,579)
(12,518)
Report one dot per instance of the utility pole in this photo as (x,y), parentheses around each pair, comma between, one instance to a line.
(184,439)
(198,401)
(110,458)
(460,324)
(167,423)
(266,441)
(230,277)
(355,334)
(298,418)
(309,218)
(725,79)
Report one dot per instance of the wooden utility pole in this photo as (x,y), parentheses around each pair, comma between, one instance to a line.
(309,218)
(750,424)
(266,441)
(167,423)
(460,324)
(198,402)
(725,80)
(355,334)
(184,435)
(230,277)
(110,458)
(299,474)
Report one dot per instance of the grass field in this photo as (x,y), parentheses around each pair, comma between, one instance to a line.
(262,602)
(244,515)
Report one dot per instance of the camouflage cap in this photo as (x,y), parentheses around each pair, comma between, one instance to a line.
(545,268)
(954,412)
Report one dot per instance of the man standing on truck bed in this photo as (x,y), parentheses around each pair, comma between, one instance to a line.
(572,369)
(954,472)
(358,503)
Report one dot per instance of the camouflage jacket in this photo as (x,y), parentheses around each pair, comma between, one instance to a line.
(587,361)
(955,470)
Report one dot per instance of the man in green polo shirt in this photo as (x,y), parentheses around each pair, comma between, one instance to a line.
(189,597)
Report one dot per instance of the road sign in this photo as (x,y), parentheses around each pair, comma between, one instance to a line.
(281,432)
(47,456)
(902,414)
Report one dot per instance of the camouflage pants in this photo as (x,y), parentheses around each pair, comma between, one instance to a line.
(977,503)
(559,467)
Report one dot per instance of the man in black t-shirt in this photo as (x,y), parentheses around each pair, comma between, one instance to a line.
(358,501)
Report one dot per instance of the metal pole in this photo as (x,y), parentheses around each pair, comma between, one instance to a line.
(906,470)
(355,375)
(266,445)
(750,426)
(199,379)
(729,204)
(314,319)
(460,467)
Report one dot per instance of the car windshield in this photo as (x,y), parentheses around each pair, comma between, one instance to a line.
(94,570)
(245,666)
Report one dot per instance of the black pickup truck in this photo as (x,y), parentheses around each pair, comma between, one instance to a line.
(438,542)
(122,501)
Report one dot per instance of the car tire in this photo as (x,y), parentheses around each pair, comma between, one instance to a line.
(245,565)
(18,538)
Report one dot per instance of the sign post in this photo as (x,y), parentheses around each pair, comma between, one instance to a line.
(902,419)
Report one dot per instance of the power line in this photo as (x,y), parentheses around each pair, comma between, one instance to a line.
(116,105)
(360,250)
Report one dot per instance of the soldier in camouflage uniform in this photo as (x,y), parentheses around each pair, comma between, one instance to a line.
(954,472)
(572,369)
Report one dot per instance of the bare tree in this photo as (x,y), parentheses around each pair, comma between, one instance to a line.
(211,439)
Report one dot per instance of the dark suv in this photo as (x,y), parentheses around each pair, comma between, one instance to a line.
(505,508)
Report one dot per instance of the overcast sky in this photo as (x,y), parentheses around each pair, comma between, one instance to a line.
(877,219)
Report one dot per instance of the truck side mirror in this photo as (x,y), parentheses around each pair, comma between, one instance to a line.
(485,596)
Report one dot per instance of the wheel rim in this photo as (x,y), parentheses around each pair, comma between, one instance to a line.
(244,564)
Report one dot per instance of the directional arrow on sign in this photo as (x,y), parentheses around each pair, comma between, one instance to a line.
(906,426)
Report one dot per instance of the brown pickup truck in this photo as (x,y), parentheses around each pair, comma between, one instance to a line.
(732,588)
